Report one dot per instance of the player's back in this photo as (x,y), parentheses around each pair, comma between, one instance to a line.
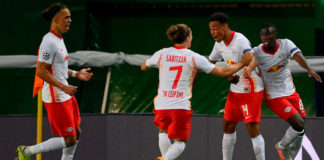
(177,70)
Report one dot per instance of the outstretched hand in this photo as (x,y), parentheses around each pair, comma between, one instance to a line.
(84,74)
(313,74)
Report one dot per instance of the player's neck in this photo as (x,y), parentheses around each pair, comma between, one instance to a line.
(271,48)
(228,35)
(56,31)
(181,45)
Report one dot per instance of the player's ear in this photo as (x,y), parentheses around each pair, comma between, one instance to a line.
(225,25)
(54,20)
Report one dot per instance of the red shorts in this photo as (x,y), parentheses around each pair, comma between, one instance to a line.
(63,117)
(243,106)
(286,106)
(176,121)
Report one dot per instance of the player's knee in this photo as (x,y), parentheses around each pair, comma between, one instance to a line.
(298,125)
(296,122)
(254,126)
(70,140)
(229,127)
(253,129)
(70,143)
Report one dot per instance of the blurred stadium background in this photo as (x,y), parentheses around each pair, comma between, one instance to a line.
(138,27)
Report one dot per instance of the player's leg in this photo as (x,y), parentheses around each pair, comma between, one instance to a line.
(68,152)
(50,145)
(297,124)
(164,141)
(293,136)
(162,121)
(179,130)
(285,110)
(296,129)
(229,139)
(257,140)
(232,115)
(60,116)
(251,110)
(175,150)
(24,152)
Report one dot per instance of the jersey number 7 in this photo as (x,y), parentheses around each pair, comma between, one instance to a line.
(176,80)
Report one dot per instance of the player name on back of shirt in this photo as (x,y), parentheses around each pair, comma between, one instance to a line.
(179,59)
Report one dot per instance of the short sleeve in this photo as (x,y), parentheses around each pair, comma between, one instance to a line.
(46,52)
(255,51)
(245,45)
(154,60)
(203,64)
(291,48)
(215,54)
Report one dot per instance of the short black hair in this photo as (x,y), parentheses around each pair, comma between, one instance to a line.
(51,11)
(268,26)
(220,17)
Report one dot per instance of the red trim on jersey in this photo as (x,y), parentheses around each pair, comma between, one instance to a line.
(51,31)
(159,61)
(193,76)
(51,87)
(251,84)
(195,70)
(232,36)
(272,53)
(179,47)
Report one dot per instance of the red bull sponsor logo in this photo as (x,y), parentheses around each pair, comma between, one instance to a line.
(275,68)
(229,61)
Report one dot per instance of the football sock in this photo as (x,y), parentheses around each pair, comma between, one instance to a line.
(164,143)
(175,150)
(228,145)
(68,152)
(49,145)
(289,137)
(258,147)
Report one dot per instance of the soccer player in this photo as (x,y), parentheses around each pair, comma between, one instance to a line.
(281,97)
(57,94)
(178,66)
(245,95)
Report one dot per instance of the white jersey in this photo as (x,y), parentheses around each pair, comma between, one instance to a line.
(177,70)
(275,68)
(53,51)
(232,53)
